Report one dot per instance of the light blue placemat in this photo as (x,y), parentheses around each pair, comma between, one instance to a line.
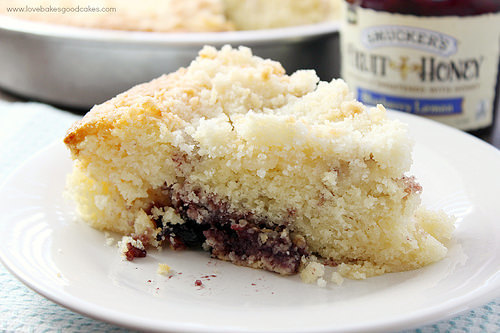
(26,128)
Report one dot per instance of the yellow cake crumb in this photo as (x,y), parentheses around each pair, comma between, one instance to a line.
(163,269)
(123,247)
(321,282)
(312,272)
(108,238)
(336,278)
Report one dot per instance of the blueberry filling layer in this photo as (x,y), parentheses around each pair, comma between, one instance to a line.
(239,237)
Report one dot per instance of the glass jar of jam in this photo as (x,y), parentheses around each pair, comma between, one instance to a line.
(434,58)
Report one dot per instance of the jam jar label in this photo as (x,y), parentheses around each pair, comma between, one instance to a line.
(444,68)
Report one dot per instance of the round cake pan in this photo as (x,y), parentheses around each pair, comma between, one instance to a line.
(78,67)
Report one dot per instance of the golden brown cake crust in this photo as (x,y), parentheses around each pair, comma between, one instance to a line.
(103,117)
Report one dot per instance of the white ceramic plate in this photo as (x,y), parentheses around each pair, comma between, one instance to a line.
(46,247)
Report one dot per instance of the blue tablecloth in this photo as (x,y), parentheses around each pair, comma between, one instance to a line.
(27,127)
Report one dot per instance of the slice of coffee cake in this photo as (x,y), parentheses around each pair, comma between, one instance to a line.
(259,168)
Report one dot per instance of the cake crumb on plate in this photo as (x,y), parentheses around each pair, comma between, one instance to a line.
(163,269)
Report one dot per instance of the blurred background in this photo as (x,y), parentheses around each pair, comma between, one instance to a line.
(77,53)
